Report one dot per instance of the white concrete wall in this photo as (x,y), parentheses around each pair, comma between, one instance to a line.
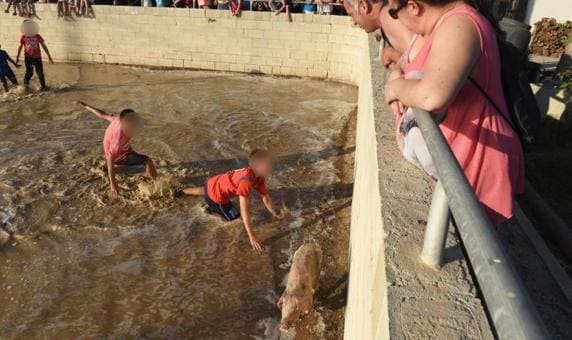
(367,310)
(311,46)
(561,10)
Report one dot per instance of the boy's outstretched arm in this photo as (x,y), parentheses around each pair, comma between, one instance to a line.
(47,52)
(13,62)
(254,242)
(98,112)
(269,204)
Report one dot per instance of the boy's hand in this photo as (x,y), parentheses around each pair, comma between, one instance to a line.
(279,214)
(256,244)
(80,103)
(113,192)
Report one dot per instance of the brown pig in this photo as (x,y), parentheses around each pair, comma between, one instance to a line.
(298,298)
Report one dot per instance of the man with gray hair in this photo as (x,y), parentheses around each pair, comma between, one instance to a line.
(373,15)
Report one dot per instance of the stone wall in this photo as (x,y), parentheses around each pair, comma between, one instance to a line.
(258,42)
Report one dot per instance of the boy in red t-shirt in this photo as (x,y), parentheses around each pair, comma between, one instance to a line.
(31,43)
(116,144)
(220,188)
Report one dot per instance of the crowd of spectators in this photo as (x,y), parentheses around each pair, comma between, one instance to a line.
(27,8)
(67,8)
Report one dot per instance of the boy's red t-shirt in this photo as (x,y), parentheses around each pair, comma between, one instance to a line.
(32,46)
(221,188)
(116,144)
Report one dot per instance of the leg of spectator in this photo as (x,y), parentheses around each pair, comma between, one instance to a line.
(288,13)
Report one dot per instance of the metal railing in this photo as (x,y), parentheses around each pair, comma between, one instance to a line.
(512,312)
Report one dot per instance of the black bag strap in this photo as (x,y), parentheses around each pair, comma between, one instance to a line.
(490,100)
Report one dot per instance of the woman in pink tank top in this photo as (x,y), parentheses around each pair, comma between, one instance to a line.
(461,43)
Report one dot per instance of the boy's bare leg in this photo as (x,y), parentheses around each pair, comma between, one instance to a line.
(288,13)
(196,191)
(150,169)
(5,84)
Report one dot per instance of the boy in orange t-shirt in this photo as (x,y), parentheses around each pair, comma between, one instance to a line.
(220,188)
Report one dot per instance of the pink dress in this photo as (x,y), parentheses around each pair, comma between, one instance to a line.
(484,143)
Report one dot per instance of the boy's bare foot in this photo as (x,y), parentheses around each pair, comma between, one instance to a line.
(178,192)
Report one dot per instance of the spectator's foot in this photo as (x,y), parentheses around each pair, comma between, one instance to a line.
(6,11)
(44,88)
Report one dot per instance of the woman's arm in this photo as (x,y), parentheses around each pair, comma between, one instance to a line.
(455,52)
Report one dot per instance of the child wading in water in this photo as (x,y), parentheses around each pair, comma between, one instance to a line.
(220,188)
(116,144)
(5,70)
(31,42)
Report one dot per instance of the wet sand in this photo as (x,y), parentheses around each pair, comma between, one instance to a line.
(149,265)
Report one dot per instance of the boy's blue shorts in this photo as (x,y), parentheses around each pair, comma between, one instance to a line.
(133,159)
(8,73)
(227,211)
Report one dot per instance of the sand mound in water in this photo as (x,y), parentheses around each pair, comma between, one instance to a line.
(161,188)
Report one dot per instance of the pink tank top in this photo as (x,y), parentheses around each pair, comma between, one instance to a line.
(484,143)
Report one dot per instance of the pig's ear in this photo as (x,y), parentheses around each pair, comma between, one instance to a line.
(280,302)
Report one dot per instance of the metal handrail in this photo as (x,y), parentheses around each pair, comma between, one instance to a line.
(512,312)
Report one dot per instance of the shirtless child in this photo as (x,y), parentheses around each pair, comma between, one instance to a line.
(116,144)
(220,188)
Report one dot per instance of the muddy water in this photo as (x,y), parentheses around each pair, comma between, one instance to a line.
(149,265)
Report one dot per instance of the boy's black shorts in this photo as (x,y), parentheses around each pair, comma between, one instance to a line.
(8,74)
(226,211)
(133,159)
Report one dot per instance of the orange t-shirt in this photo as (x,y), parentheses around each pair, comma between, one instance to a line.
(116,144)
(221,188)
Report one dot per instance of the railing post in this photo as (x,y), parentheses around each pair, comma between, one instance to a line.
(437,227)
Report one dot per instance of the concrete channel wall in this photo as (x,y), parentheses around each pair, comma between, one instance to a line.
(258,42)
(391,294)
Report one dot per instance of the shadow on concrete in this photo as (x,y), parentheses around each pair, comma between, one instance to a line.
(335,297)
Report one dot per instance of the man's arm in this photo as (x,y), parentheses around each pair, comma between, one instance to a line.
(113,190)
(98,112)
(254,242)
(270,206)
(47,52)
